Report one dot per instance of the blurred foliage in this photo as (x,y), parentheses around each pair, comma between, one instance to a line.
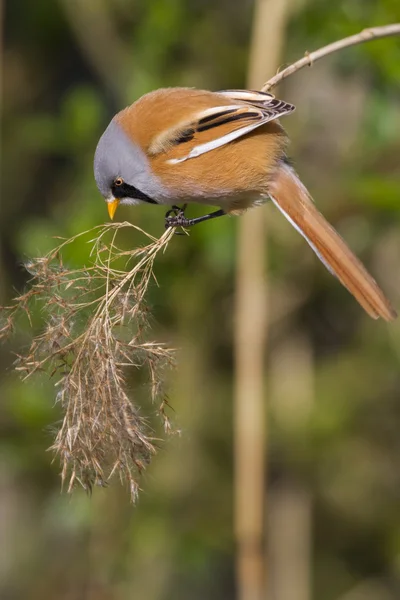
(177,543)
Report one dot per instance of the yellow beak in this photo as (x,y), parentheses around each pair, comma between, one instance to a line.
(112,207)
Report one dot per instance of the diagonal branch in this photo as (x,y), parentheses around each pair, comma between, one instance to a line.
(366,35)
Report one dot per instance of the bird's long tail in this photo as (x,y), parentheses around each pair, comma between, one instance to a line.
(293,200)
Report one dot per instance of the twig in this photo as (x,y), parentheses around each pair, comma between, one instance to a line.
(366,35)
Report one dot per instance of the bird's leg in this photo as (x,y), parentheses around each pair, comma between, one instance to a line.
(179,219)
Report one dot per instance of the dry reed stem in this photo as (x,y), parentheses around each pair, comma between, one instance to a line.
(366,35)
(94,335)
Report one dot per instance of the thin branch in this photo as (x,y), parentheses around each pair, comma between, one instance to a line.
(366,35)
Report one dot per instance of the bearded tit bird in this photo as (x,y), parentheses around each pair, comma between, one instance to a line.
(226,149)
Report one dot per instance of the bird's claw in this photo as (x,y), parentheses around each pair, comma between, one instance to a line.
(175,217)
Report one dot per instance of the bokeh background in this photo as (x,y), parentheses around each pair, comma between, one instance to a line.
(332,375)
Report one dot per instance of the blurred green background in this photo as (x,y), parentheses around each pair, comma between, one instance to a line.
(332,375)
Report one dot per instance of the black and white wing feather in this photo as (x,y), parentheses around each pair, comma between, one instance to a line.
(216,126)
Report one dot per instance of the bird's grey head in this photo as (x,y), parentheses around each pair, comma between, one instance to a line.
(122,170)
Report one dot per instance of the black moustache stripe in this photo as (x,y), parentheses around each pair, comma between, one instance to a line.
(130,191)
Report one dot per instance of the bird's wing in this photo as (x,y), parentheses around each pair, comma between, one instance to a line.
(211,128)
(267,102)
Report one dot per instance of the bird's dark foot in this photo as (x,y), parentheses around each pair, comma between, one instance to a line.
(176,217)
(178,220)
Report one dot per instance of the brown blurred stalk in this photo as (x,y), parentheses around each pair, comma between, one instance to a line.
(93,24)
(2,270)
(250,340)
(291,378)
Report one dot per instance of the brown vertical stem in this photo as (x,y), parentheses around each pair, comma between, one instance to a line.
(92,22)
(2,270)
(250,341)
(290,503)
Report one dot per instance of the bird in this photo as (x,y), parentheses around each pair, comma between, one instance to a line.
(225,149)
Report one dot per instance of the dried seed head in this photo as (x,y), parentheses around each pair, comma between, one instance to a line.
(94,335)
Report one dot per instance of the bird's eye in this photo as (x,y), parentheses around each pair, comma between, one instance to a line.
(119,181)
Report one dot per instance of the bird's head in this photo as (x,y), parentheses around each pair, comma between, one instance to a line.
(122,170)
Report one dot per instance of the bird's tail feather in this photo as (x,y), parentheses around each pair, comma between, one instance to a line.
(293,200)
